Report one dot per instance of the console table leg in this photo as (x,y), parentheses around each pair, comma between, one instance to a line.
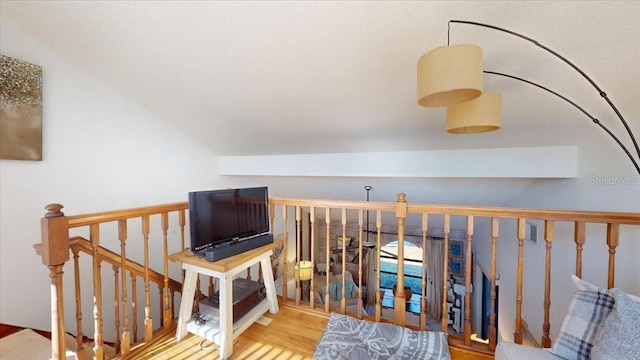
(226,316)
(186,304)
(269,284)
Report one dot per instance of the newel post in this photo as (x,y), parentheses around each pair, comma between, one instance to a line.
(54,250)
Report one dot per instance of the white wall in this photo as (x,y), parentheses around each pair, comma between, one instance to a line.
(100,152)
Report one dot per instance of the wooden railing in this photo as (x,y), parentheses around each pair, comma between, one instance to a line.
(136,271)
(103,229)
(328,212)
(286,217)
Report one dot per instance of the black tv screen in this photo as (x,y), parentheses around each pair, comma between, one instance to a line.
(221,217)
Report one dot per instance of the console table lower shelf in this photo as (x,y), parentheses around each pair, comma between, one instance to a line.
(210,330)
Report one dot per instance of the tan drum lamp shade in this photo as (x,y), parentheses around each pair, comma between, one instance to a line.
(304,270)
(481,114)
(450,75)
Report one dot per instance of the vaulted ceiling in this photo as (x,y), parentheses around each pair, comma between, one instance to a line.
(247,78)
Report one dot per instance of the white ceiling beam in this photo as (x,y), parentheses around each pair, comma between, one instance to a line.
(524,162)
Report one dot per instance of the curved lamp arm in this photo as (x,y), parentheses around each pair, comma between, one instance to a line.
(594,119)
(602,93)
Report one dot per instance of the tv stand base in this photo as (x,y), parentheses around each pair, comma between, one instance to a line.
(224,251)
(223,332)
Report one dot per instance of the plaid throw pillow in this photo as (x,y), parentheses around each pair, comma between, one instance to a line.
(587,313)
(618,338)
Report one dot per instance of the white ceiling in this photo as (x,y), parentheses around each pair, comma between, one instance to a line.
(247,78)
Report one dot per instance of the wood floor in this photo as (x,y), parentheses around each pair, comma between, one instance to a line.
(6,330)
(291,335)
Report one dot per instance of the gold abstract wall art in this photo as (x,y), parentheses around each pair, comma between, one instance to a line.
(20,110)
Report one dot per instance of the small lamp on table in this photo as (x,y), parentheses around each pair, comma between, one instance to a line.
(304,272)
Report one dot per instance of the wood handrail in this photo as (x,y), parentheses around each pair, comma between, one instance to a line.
(337,204)
(503,212)
(483,211)
(114,259)
(108,216)
(603,217)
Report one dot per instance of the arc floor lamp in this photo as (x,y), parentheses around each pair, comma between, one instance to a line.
(452,76)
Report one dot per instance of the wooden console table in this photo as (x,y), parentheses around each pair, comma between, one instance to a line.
(226,331)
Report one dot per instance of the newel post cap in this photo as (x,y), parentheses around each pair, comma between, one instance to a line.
(53,210)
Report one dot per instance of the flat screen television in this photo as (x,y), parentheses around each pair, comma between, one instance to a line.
(227,222)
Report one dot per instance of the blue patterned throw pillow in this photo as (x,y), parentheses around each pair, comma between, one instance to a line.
(347,338)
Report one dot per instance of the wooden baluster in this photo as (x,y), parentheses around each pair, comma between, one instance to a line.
(360,225)
(134,306)
(378,246)
(467,283)
(182,222)
(173,304)
(55,252)
(445,271)
(57,312)
(613,233)
(281,261)
(327,299)
(493,333)
(198,296)
(343,301)
(522,225)
(125,344)
(285,242)
(76,276)
(166,318)
(148,323)
(298,255)
(400,303)
(312,215)
(260,275)
(546,326)
(248,276)
(579,238)
(116,303)
(425,257)
(97,292)
(160,303)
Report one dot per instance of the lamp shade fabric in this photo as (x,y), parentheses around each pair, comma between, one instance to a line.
(450,75)
(479,115)
(304,270)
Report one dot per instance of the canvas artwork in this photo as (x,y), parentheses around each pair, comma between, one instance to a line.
(456,248)
(455,266)
(20,110)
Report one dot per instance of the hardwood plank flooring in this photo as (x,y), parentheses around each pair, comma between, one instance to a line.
(291,335)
